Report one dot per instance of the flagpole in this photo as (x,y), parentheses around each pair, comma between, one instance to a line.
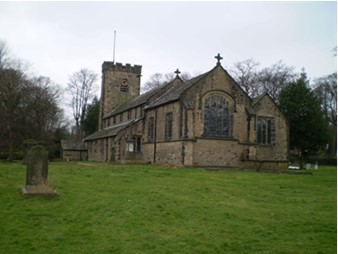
(114,46)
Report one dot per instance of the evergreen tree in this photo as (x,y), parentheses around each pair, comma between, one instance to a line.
(91,118)
(308,128)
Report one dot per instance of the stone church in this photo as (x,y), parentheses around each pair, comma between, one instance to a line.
(207,121)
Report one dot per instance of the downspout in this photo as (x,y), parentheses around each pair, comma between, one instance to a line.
(106,148)
(181,133)
(155,125)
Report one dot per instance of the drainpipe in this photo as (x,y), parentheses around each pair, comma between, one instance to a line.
(155,124)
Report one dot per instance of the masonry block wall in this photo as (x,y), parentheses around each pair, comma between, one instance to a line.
(189,106)
(120,83)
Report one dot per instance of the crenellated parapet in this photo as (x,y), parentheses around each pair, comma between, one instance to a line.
(111,66)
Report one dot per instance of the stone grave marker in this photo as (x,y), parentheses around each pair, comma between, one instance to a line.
(37,173)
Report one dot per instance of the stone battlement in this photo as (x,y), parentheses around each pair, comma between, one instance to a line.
(120,67)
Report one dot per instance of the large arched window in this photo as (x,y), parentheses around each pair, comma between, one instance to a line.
(217,117)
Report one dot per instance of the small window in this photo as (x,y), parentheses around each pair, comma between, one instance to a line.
(169,126)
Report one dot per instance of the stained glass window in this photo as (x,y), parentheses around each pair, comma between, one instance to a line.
(216,116)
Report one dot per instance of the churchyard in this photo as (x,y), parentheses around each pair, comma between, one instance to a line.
(106,208)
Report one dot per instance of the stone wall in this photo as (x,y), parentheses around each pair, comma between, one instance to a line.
(71,155)
(213,152)
(279,149)
(120,83)
(148,152)
(96,150)
(169,153)
(188,144)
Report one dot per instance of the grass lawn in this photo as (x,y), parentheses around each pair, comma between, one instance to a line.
(104,208)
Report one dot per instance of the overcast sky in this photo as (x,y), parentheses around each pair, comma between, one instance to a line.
(60,38)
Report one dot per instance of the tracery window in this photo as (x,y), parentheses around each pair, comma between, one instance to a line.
(264,130)
(217,119)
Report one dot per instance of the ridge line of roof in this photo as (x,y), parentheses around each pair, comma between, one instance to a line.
(188,83)
(128,105)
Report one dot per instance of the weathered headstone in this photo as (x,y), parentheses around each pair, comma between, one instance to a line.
(316,166)
(308,166)
(37,173)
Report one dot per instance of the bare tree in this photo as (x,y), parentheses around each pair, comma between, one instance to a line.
(255,81)
(159,79)
(42,99)
(81,87)
(12,86)
(273,79)
(245,74)
(28,105)
(154,81)
(4,54)
(326,90)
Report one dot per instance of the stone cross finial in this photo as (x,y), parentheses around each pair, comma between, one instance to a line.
(219,58)
(177,72)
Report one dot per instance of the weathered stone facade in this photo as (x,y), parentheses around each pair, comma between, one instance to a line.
(206,121)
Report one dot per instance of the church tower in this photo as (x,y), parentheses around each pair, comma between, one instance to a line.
(120,83)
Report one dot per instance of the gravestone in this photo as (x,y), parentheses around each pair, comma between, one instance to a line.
(316,166)
(308,166)
(37,173)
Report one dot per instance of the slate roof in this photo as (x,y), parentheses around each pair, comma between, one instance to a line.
(143,98)
(175,92)
(110,131)
(71,144)
(139,100)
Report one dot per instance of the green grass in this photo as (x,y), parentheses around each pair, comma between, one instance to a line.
(104,208)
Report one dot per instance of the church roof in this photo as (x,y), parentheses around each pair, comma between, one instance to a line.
(109,132)
(71,144)
(175,92)
(139,100)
